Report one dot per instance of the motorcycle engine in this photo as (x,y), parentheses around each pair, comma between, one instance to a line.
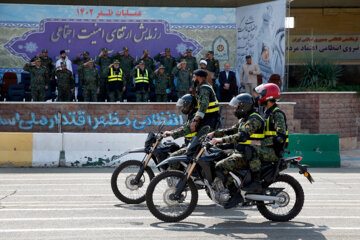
(222,194)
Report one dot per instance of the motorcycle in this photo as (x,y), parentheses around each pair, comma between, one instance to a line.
(281,200)
(129,180)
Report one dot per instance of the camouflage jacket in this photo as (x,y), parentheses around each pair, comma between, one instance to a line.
(104,63)
(191,62)
(162,82)
(47,63)
(91,78)
(278,119)
(184,77)
(65,79)
(149,63)
(248,125)
(39,76)
(168,62)
(126,63)
(79,61)
(213,66)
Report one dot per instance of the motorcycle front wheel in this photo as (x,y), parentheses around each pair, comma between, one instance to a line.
(291,199)
(122,182)
(161,201)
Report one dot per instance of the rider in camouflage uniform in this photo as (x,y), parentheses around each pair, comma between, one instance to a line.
(249,128)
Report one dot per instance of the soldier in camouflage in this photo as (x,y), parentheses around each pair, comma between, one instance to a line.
(127,63)
(162,82)
(191,62)
(168,61)
(249,128)
(149,62)
(46,61)
(103,60)
(90,81)
(212,65)
(66,83)
(184,76)
(39,79)
(79,61)
(272,147)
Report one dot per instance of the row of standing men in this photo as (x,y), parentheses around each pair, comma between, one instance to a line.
(117,73)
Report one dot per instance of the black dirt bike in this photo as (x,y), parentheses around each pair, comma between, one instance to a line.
(172,195)
(129,180)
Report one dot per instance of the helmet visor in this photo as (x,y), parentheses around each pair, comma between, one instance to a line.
(234,102)
(180,102)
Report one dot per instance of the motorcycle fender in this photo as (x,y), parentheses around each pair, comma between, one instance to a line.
(136,150)
(181,158)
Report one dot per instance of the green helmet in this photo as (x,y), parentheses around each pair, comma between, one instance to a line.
(188,102)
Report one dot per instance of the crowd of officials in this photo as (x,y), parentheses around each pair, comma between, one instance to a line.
(114,78)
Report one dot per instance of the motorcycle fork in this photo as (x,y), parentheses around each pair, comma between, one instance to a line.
(180,187)
(145,163)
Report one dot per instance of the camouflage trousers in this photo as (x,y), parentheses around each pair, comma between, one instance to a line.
(142,96)
(38,95)
(64,95)
(177,166)
(115,95)
(262,154)
(90,95)
(231,163)
(103,90)
(161,98)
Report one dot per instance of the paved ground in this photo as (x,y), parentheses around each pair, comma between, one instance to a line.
(79,204)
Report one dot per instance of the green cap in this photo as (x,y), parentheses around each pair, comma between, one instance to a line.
(210,52)
(90,60)
(146,51)
(63,63)
(116,62)
(86,53)
(188,50)
(104,49)
(167,49)
(125,48)
(37,59)
(141,62)
(183,61)
(45,51)
(161,66)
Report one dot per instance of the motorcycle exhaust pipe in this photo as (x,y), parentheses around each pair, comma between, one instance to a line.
(257,197)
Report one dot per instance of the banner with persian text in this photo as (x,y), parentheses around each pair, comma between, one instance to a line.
(27,29)
(261,34)
(340,47)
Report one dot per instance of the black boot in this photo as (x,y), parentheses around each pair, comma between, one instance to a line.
(255,185)
(235,198)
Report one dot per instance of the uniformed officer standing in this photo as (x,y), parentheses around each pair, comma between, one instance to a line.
(162,82)
(46,61)
(184,76)
(212,65)
(103,60)
(116,82)
(149,62)
(90,81)
(66,83)
(39,79)
(79,61)
(127,63)
(191,63)
(142,82)
(168,61)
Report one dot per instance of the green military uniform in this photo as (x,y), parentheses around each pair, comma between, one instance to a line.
(184,82)
(116,82)
(103,62)
(191,62)
(90,82)
(169,62)
(127,63)
(142,83)
(149,62)
(162,82)
(39,79)
(270,151)
(80,61)
(251,126)
(66,82)
(47,62)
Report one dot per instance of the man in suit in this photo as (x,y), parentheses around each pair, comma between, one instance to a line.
(228,87)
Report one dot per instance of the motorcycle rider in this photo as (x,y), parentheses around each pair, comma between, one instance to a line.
(249,128)
(272,147)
